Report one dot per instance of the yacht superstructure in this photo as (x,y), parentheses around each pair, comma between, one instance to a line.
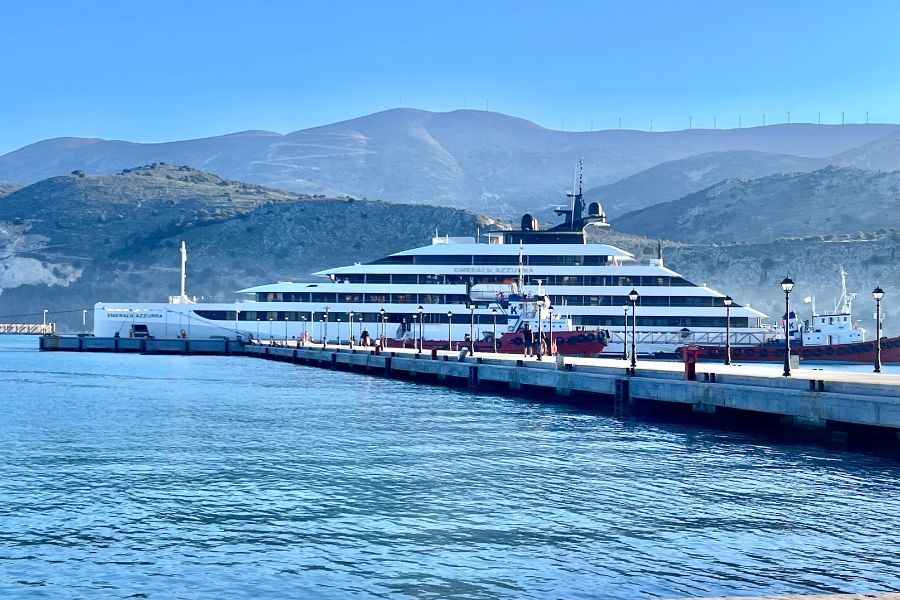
(458,287)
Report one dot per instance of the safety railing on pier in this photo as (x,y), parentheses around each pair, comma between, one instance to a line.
(28,328)
(693,337)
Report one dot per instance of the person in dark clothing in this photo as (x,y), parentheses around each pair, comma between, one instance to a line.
(528,334)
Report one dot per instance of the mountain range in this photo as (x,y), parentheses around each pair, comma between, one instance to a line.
(833,200)
(69,241)
(476,160)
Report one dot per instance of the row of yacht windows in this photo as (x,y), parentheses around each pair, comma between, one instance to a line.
(468,259)
(559,300)
(462,317)
(333,316)
(594,280)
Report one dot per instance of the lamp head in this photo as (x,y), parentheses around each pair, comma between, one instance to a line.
(449,313)
(727,301)
(493,311)
(633,295)
(787,285)
(878,293)
(382,312)
(420,309)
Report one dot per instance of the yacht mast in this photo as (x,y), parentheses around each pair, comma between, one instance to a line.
(183,268)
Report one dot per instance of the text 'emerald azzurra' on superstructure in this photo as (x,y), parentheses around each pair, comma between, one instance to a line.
(506,290)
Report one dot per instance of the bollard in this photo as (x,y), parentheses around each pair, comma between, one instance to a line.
(434,355)
(689,354)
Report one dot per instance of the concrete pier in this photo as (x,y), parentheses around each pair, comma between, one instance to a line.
(810,399)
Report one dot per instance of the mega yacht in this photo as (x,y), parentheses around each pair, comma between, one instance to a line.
(486,291)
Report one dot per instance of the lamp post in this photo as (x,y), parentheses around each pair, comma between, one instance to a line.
(84,318)
(412,329)
(383,327)
(322,331)
(257,328)
(421,329)
(325,328)
(286,318)
(727,302)
(625,334)
(350,324)
(494,314)
(450,330)
(787,285)
(237,315)
(338,332)
(303,318)
(270,327)
(878,294)
(550,346)
(633,296)
(360,327)
(472,330)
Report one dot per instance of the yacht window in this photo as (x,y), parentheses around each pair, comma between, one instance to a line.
(404,298)
(323,297)
(377,298)
(404,278)
(377,278)
(350,297)
(448,259)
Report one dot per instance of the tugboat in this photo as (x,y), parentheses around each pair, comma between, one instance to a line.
(829,336)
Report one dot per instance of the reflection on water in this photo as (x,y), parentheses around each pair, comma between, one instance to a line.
(214,477)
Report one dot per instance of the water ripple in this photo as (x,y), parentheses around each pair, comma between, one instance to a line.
(209,477)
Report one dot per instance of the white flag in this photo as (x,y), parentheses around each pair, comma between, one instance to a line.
(807,300)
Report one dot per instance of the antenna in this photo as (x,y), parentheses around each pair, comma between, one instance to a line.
(592,125)
(521,271)
(819,118)
(842,117)
(789,117)
(764,119)
(690,122)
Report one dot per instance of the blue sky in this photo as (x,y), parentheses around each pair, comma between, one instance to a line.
(165,70)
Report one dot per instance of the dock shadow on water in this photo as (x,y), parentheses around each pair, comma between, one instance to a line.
(211,477)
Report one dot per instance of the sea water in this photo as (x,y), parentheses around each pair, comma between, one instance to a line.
(128,476)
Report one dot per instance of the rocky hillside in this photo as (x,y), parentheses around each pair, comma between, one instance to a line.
(70,241)
(752,273)
(470,159)
(675,179)
(8,188)
(828,201)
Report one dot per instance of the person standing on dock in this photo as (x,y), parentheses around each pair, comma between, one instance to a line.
(528,334)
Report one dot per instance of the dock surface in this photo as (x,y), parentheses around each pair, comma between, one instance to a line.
(811,398)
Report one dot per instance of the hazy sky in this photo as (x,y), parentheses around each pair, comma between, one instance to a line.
(162,70)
